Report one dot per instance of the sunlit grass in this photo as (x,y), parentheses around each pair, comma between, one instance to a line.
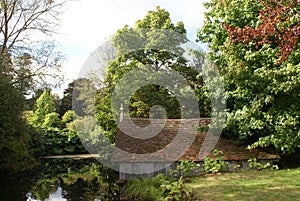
(249,185)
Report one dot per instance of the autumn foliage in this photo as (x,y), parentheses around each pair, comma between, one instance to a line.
(279,25)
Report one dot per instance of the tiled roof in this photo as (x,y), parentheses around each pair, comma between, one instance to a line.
(168,140)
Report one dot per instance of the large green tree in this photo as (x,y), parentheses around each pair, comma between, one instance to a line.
(75,97)
(25,63)
(262,91)
(156,42)
(55,135)
(14,134)
(44,106)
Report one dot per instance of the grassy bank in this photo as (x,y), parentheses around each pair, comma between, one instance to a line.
(248,185)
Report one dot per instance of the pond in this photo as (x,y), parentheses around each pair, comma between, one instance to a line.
(62,180)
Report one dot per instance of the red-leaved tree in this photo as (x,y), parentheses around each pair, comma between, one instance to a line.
(279,26)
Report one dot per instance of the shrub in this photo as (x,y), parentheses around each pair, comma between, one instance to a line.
(175,190)
(212,165)
(186,169)
(254,164)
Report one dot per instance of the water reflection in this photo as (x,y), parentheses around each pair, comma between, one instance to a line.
(63,180)
(53,196)
(56,196)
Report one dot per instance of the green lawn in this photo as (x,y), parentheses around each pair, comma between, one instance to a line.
(248,185)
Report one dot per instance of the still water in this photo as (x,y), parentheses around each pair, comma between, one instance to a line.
(62,180)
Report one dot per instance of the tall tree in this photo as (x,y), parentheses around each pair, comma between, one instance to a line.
(24,62)
(66,101)
(279,25)
(39,66)
(44,106)
(261,77)
(33,61)
(20,18)
(14,134)
(75,97)
(155,41)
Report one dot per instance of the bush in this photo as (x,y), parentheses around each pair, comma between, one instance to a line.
(175,190)
(212,165)
(254,164)
(186,169)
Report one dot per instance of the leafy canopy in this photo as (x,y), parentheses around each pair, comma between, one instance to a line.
(262,91)
(44,106)
(154,41)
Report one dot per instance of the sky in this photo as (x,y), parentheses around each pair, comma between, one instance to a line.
(86,24)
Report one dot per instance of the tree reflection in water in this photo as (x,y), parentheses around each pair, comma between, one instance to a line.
(67,180)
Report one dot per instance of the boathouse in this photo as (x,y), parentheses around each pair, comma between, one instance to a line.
(147,156)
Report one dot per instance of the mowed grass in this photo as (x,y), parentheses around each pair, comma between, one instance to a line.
(248,185)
